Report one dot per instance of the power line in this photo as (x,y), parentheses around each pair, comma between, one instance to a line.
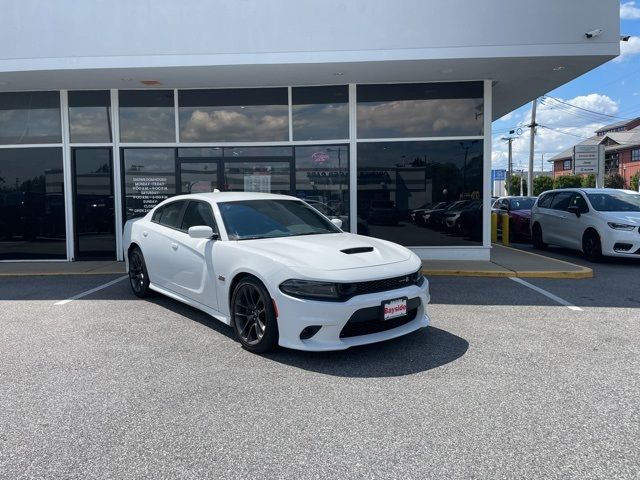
(562,131)
(584,109)
(577,114)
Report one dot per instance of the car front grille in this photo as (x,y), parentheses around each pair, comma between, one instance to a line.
(369,320)
(375,286)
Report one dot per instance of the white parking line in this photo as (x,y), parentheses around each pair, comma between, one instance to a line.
(550,295)
(89,292)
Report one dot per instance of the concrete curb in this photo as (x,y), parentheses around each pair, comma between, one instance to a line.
(572,272)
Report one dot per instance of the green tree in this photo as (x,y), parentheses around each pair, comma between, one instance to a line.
(635,179)
(613,180)
(542,184)
(567,181)
(589,181)
(513,187)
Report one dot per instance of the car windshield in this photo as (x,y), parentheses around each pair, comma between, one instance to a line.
(251,219)
(521,203)
(615,201)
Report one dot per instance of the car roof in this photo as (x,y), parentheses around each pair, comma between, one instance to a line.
(589,190)
(231,196)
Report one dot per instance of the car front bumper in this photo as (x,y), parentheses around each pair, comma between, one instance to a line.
(296,314)
(615,238)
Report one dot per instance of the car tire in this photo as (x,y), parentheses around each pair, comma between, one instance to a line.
(591,246)
(138,275)
(253,316)
(537,238)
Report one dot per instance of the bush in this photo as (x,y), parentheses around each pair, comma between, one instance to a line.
(567,181)
(542,184)
(613,180)
(589,181)
(513,187)
(635,179)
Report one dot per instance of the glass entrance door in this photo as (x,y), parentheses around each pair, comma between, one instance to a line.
(94,218)
(272,175)
(198,175)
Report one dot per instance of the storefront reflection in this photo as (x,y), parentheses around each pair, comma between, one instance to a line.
(404,187)
(31,204)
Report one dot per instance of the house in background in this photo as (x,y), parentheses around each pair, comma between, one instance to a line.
(622,150)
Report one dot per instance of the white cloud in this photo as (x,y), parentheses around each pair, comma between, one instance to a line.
(629,11)
(565,124)
(628,49)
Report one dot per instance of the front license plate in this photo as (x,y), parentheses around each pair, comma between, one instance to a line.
(394,308)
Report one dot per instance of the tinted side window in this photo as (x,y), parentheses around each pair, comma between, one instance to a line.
(196,214)
(157,214)
(170,216)
(561,200)
(545,200)
(578,200)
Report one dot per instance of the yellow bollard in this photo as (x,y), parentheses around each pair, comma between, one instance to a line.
(505,229)
(494,227)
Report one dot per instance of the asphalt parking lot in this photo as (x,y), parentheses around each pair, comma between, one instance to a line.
(508,382)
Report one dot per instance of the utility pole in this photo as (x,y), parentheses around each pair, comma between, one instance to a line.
(509,139)
(533,126)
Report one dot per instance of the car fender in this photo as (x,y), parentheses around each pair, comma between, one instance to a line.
(227,268)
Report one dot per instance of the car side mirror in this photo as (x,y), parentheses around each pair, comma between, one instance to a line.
(575,210)
(337,222)
(202,231)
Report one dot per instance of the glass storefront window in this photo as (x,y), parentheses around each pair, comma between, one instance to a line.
(32,223)
(149,178)
(422,193)
(198,177)
(267,177)
(234,115)
(320,113)
(322,179)
(90,116)
(147,116)
(420,110)
(30,117)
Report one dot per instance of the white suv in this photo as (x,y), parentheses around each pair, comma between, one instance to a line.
(596,221)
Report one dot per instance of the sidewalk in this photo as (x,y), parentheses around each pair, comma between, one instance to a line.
(508,262)
(505,262)
(61,268)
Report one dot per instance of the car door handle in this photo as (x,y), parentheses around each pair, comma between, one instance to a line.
(174,246)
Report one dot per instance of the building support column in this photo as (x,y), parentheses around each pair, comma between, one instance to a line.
(117,173)
(353,160)
(486,183)
(67,175)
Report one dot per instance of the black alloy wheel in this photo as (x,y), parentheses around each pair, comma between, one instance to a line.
(138,276)
(591,246)
(536,237)
(253,316)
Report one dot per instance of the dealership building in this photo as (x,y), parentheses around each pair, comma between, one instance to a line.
(368,110)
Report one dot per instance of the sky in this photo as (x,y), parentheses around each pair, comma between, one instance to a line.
(612,90)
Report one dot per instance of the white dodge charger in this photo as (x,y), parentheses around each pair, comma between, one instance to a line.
(277,271)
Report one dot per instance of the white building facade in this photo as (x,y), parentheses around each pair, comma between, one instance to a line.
(369,110)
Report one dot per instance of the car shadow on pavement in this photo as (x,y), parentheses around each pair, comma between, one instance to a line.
(416,352)
(413,353)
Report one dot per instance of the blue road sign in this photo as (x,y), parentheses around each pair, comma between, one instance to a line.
(498,175)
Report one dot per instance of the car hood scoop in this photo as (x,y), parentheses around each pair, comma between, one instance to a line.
(336,251)
(351,251)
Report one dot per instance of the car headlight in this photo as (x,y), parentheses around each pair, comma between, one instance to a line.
(621,226)
(418,278)
(312,289)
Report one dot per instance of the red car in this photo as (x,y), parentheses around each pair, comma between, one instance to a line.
(519,211)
